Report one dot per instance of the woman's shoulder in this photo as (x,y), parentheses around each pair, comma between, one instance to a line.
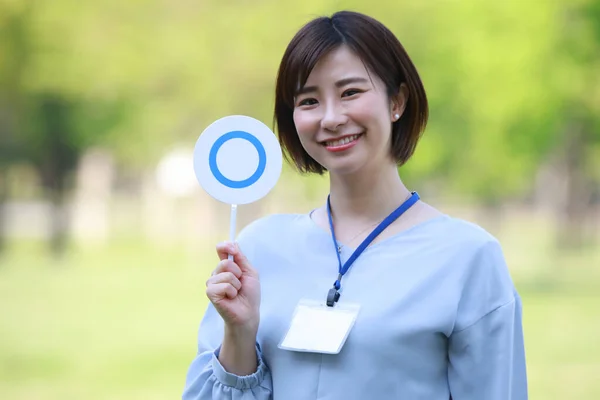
(447,228)
(273,225)
(273,232)
(474,251)
(480,255)
(463,234)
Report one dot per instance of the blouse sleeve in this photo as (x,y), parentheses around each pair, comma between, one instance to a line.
(486,348)
(207,379)
(487,359)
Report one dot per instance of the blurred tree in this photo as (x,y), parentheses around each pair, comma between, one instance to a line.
(511,84)
(14,56)
(578,85)
(512,87)
(54,152)
(47,126)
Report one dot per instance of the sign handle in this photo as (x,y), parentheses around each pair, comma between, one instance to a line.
(232,219)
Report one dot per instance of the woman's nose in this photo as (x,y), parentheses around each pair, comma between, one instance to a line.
(333,118)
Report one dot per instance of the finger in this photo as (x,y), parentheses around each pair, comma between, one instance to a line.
(224,249)
(241,260)
(228,266)
(220,291)
(225,277)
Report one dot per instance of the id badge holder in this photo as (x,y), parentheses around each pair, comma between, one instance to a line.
(317,328)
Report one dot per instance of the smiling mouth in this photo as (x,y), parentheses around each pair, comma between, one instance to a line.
(342,141)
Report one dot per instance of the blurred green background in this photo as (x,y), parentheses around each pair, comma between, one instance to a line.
(106,239)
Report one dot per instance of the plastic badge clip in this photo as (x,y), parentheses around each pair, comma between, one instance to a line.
(332,297)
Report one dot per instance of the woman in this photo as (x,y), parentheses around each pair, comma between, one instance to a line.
(425,309)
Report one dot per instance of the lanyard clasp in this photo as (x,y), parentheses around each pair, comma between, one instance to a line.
(332,297)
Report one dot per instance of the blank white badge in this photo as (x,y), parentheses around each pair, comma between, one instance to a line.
(317,328)
(237,159)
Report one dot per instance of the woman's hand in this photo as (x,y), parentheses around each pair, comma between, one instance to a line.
(234,290)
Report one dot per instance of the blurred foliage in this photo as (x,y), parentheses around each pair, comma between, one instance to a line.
(513,85)
(502,76)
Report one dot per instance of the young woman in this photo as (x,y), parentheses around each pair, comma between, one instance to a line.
(376,294)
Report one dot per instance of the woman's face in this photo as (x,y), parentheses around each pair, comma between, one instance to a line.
(344,116)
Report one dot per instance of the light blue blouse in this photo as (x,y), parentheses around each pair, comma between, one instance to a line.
(439,317)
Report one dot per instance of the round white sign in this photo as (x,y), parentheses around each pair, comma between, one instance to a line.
(237,159)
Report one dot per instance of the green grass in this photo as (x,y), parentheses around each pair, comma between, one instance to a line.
(120,323)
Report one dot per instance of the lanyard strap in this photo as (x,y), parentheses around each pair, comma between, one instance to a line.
(334,294)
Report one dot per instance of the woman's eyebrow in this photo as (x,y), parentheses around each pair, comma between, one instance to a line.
(340,83)
(347,81)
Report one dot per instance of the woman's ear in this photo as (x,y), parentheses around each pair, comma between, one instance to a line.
(398,102)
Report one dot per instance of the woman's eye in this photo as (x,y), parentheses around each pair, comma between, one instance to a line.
(351,92)
(307,102)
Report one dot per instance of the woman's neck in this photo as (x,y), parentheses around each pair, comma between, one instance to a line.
(364,197)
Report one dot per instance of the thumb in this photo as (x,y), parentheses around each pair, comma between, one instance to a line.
(242,262)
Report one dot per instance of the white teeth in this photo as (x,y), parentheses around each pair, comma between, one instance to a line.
(341,142)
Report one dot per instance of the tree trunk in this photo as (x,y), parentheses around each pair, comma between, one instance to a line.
(3,198)
(491,216)
(59,223)
(54,182)
(577,200)
(58,158)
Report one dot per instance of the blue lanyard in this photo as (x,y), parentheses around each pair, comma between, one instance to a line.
(334,294)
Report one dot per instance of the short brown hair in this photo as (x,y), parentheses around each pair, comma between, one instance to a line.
(380,51)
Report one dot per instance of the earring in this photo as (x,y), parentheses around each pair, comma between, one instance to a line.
(396,117)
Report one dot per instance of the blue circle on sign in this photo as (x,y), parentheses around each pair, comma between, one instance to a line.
(262,160)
